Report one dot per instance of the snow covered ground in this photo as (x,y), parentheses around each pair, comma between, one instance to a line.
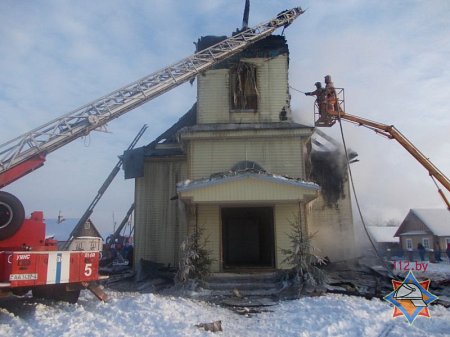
(434,271)
(133,314)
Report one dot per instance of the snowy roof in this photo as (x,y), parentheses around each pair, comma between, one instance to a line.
(232,175)
(415,233)
(383,233)
(437,220)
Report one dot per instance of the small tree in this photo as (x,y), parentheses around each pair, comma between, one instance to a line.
(305,263)
(194,260)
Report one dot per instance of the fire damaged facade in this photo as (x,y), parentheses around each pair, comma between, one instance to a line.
(239,167)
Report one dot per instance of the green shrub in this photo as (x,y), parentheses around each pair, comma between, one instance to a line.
(302,258)
(195,259)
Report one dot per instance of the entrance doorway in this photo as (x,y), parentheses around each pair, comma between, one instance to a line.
(248,237)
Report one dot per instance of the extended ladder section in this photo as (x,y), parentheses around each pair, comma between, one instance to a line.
(27,152)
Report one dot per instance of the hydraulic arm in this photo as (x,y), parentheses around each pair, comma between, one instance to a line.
(334,110)
(392,132)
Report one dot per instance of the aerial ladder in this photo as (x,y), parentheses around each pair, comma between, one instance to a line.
(331,108)
(27,152)
(21,272)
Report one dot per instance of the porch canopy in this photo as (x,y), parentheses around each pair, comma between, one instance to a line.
(247,187)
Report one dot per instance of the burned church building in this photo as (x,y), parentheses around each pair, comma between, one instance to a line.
(239,167)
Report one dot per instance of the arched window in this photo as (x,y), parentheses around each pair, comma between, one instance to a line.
(247,165)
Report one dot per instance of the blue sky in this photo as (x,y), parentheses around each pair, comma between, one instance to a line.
(392,58)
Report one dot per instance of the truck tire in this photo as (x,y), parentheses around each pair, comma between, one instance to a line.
(12,215)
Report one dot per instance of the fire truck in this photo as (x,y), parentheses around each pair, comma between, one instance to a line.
(29,261)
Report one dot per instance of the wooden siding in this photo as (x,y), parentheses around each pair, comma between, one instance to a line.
(272,83)
(285,215)
(159,228)
(412,223)
(332,227)
(213,103)
(443,242)
(273,87)
(416,239)
(209,219)
(277,155)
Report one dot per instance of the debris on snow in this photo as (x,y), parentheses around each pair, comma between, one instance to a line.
(213,326)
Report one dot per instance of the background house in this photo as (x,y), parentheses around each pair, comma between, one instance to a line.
(238,166)
(384,239)
(425,226)
(61,229)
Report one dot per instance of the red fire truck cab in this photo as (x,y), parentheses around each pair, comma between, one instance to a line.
(29,261)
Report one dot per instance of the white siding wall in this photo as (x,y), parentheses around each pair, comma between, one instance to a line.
(273,85)
(277,155)
(333,227)
(285,215)
(158,227)
(209,219)
(213,104)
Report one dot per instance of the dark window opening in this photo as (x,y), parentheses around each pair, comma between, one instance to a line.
(243,87)
(247,165)
(248,237)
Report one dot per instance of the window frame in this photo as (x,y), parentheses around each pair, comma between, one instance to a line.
(409,244)
(243,69)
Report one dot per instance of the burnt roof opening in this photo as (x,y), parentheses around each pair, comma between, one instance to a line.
(269,47)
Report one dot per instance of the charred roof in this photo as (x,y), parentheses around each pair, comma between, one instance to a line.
(271,46)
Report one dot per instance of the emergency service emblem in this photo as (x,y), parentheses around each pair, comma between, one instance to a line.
(411,298)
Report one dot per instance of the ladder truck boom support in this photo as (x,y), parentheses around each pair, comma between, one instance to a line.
(102,190)
(81,121)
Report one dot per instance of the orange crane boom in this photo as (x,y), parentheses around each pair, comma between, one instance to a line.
(392,132)
(332,109)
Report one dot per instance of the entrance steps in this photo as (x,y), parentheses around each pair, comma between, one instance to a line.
(245,284)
